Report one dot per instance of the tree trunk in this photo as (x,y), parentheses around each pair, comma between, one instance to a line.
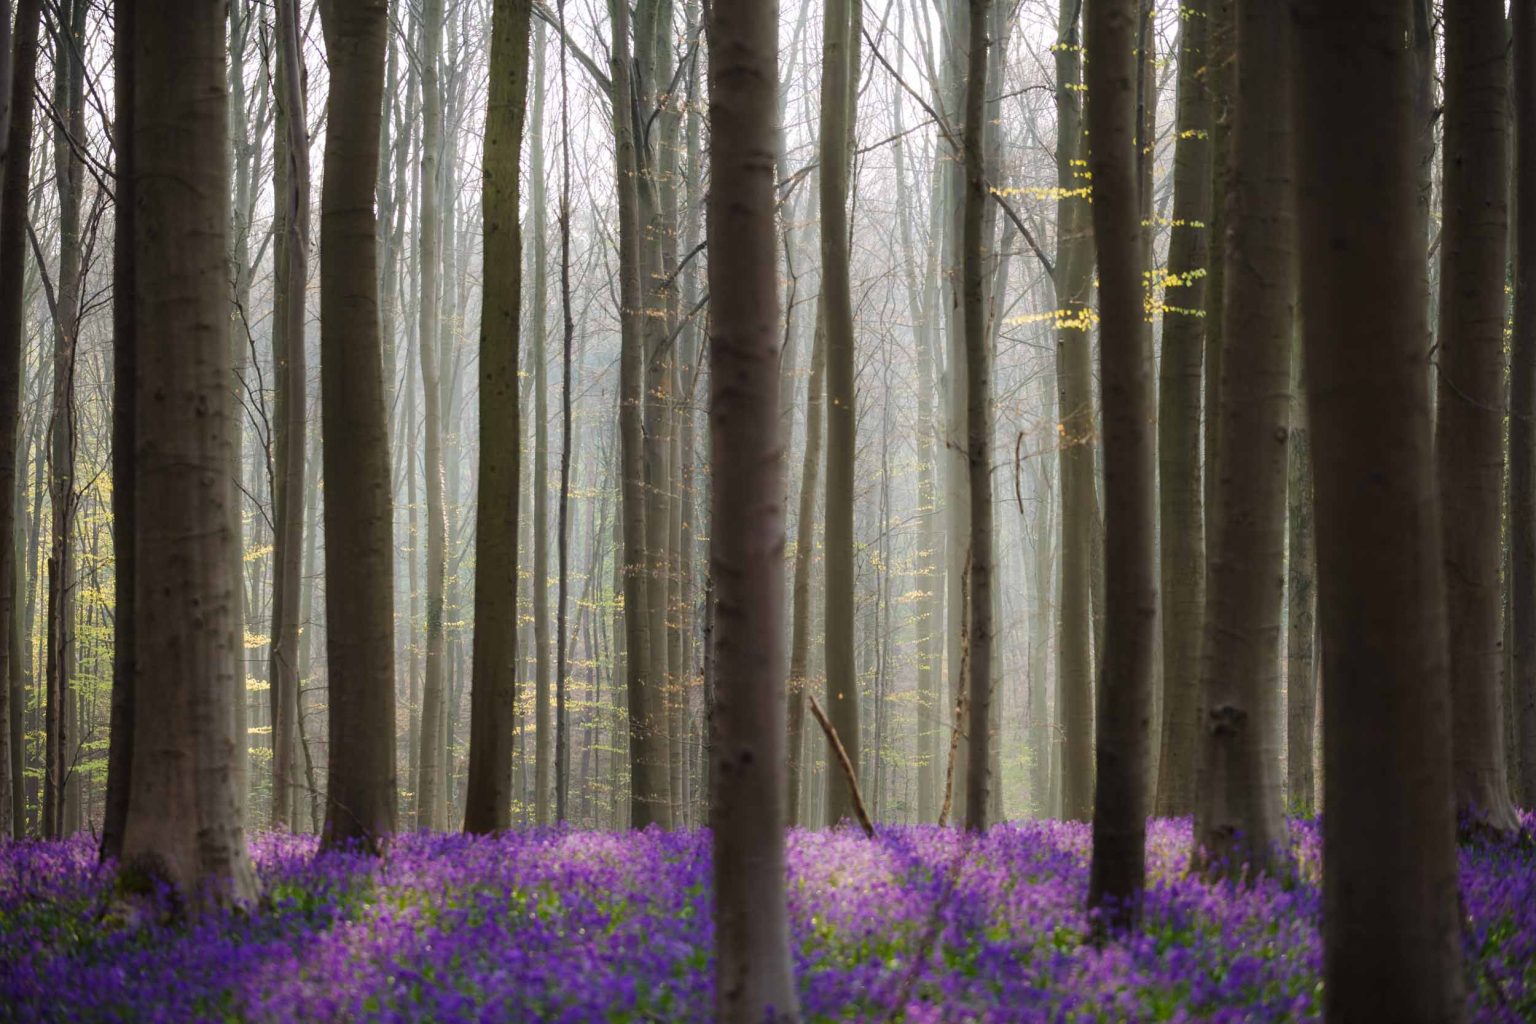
(754,979)
(1075,427)
(1117,871)
(431,793)
(837,73)
(1180,509)
(647,727)
(1301,593)
(184,823)
(1469,445)
(1240,795)
(290,379)
(493,686)
(805,549)
(543,726)
(1522,413)
(1390,932)
(124,369)
(978,377)
(359,546)
(61,802)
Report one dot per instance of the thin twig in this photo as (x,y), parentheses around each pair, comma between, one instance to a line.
(842,759)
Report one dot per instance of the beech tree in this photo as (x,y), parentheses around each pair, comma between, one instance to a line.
(359,546)
(754,980)
(1118,867)
(1469,443)
(493,688)
(183,824)
(1390,946)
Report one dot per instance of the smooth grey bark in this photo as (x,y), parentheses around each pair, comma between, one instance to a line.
(1118,865)
(493,682)
(1469,442)
(184,824)
(1522,412)
(838,74)
(754,981)
(1390,927)
(1240,792)
(359,543)
(1181,513)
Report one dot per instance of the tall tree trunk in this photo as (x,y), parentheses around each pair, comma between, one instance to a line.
(647,728)
(1469,444)
(1075,426)
(1117,872)
(543,726)
(1390,928)
(1522,412)
(838,71)
(978,375)
(805,549)
(431,793)
(1180,510)
(754,979)
(359,545)
(184,824)
(290,379)
(124,370)
(1301,594)
(493,686)
(1240,795)
(567,398)
(61,803)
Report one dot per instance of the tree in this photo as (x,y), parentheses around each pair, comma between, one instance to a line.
(1180,511)
(1522,411)
(839,75)
(493,688)
(1075,425)
(1240,796)
(183,824)
(359,546)
(431,783)
(805,547)
(978,375)
(1301,617)
(649,800)
(1390,929)
(124,370)
(754,981)
(292,273)
(1118,866)
(1469,445)
(544,745)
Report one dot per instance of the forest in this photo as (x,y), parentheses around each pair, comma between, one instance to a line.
(718,511)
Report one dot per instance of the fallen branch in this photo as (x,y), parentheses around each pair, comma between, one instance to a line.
(842,759)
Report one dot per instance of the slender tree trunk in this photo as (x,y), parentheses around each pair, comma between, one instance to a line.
(647,728)
(1469,444)
(124,370)
(1301,593)
(543,726)
(1075,427)
(1180,511)
(493,688)
(61,802)
(1522,413)
(1390,929)
(431,794)
(1117,872)
(359,543)
(290,377)
(184,824)
(978,375)
(805,549)
(567,397)
(837,311)
(1240,795)
(754,977)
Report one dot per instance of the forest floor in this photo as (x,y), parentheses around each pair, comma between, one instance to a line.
(918,925)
